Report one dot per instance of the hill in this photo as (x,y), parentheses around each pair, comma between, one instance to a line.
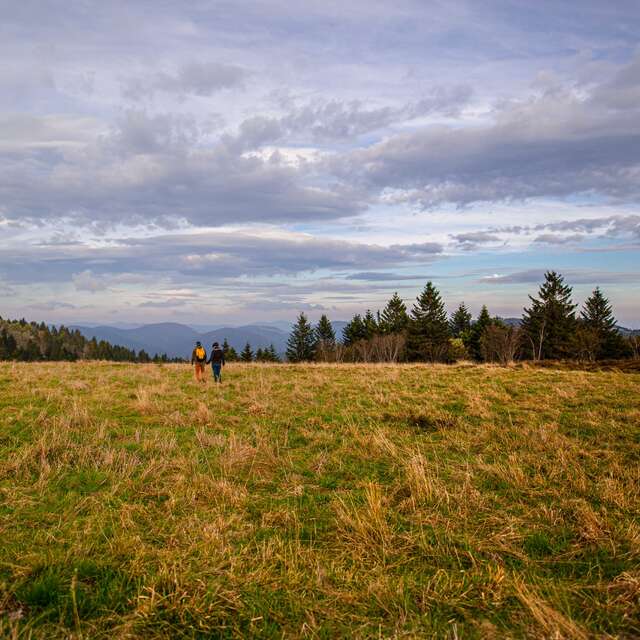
(318,501)
(177,340)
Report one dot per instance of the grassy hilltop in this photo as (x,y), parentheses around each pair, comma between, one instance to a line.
(318,501)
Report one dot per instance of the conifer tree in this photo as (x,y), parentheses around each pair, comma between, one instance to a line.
(394,317)
(324,332)
(460,322)
(597,317)
(230,354)
(428,331)
(370,325)
(549,324)
(301,345)
(247,353)
(354,331)
(260,355)
(271,354)
(473,338)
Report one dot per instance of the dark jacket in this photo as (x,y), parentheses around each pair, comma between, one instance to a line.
(195,359)
(217,356)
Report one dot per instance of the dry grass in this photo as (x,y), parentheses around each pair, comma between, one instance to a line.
(318,501)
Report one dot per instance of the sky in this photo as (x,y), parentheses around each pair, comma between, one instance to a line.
(238,162)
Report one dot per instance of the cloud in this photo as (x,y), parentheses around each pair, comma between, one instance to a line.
(471,239)
(571,276)
(148,168)
(375,276)
(337,120)
(201,79)
(202,255)
(557,145)
(161,304)
(86,281)
(551,238)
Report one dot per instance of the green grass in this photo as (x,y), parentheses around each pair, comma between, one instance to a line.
(318,501)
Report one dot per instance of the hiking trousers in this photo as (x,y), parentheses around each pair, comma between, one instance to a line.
(216,367)
(199,371)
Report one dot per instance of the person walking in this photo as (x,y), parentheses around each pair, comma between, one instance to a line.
(199,359)
(217,361)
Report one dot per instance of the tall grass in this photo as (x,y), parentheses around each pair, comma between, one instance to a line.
(318,501)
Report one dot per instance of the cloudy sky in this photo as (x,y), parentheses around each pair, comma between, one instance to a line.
(217,161)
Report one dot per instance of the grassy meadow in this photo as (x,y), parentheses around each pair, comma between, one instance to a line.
(318,501)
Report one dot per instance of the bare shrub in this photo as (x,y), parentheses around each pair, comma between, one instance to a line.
(500,343)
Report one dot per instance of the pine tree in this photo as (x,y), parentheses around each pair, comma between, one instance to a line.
(428,331)
(301,345)
(549,325)
(597,317)
(354,331)
(460,322)
(247,353)
(230,354)
(370,325)
(260,355)
(473,338)
(394,317)
(271,354)
(324,332)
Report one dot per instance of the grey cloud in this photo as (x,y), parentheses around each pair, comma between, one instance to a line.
(555,145)
(470,240)
(475,237)
(51,306)
(161,304)
(375,276)
(201,79)
(185,256)
(611,226)
(338,120)
(86,281)
(148,168)
(572,276)
(422,249)
(552,238)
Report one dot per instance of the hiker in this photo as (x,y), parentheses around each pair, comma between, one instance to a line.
(199,358)
(217,361)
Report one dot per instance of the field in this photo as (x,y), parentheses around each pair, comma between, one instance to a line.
(318,501)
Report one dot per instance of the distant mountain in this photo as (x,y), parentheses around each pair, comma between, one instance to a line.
(177,340)
(628,332)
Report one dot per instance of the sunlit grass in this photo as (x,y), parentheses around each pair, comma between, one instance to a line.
(318,501)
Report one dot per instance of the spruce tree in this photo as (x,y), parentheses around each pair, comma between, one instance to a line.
(260,355)
(428,331)
(460,322)
(394,317)
(324,332)
(272,354)
(597,317)
(549,324)
(473,338)
(301,345)
(230,354)
(354,331)
(370,325)
(247,353)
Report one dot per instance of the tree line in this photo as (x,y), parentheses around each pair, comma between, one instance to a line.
(550,329)
(268,354)
(32,341)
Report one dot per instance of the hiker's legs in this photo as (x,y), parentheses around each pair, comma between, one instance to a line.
(217,375)
(199,372)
